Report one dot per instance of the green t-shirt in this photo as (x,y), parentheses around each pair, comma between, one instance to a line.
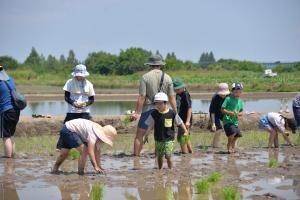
(232,104)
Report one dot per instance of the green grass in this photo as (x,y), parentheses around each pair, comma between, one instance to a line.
(231,193)
(204,80)
(97,192)
(273,163)
(46,145)
(214,177)
(202,186)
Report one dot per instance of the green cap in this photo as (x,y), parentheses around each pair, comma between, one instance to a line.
(178,83)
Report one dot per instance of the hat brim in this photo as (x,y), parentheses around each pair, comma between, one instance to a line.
(80,74)
(179,87)
(98,130)
(156,64)
(227,92)
(3,76)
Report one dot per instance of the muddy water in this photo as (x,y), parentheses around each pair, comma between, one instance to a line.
(132,178)
(119,107)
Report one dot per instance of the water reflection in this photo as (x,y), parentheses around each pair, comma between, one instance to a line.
(119,107)
(7,184)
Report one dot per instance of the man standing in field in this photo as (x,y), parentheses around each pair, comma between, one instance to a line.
(151,83)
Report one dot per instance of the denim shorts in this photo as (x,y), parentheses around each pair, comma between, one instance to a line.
(68,139)
(143,118)
(264,123)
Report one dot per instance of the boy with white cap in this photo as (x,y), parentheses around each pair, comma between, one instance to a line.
(216,114)
(87,137)
(163,120)
(79,94)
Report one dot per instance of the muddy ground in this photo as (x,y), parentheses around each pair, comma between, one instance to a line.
(130,178)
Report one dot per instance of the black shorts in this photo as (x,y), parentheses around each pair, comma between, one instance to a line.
(231,129)
(8,123)
(71,116)
(68,139)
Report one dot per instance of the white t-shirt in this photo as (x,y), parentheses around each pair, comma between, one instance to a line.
(79,97)
(277,120)
(84,128)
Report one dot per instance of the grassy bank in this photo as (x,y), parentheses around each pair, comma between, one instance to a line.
(45,145)
(204,80)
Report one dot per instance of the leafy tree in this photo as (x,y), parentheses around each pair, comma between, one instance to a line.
(8,62)
(33,59)
(172,62)
(52,64)
(102,62)
(71,59)
(132,60)
(62,60)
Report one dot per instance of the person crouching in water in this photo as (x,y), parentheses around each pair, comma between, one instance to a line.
(232,108)
(274,122)
(216,114)
(184,107)
(87,137)
(163,120)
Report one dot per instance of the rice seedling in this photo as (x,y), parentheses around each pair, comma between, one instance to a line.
(231,193)
(202,186)
(74,154)
(97,192)
(273,163)
(214,177)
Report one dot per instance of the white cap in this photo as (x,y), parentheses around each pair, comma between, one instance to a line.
(160,97)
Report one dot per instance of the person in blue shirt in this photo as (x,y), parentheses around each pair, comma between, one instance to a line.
(9,116)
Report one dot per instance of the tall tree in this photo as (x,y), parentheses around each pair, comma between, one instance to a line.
(102,62)
(33,59)
(8,62)
(71,59)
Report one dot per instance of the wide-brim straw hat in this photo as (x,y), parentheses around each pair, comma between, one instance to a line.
(3,74)
(105,134)
(223,89)
(80,70)
(155,60)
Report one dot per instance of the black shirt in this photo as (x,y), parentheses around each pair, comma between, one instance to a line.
(164,125)
(183,102)
(215,106)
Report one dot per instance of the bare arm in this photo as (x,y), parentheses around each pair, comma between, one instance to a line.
(91,152)
(98,156)
(228,112)
(172,100)
(138,108)
(188,118)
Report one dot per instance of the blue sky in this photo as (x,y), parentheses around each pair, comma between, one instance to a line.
(258,30)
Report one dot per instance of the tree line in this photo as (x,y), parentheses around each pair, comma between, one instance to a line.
(130,61)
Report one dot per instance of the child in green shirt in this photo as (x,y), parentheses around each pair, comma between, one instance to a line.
(232,108)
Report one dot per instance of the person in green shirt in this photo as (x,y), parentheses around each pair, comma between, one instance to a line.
(232,108)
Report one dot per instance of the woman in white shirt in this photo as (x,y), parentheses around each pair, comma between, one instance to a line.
(274,122)
(87,137)
(79,94)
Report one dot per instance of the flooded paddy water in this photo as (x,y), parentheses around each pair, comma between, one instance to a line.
(130,178)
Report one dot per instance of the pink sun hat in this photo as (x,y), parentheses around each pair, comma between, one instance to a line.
(223,89)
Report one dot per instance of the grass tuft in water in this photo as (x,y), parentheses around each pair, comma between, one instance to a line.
(273,163)
(214,177)
(97,192)
(202,186)
(74,154)
(231,193)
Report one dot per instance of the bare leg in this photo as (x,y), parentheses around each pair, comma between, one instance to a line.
(9,147)
(184,148)
(216,138)
(190,147)
(276,141)
(60,159)
(271,137)
(160,162)
(169,161)
(82,159)
(138,141)
(230,144)
(234,142)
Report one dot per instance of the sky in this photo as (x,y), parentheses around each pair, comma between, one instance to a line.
(256,30)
